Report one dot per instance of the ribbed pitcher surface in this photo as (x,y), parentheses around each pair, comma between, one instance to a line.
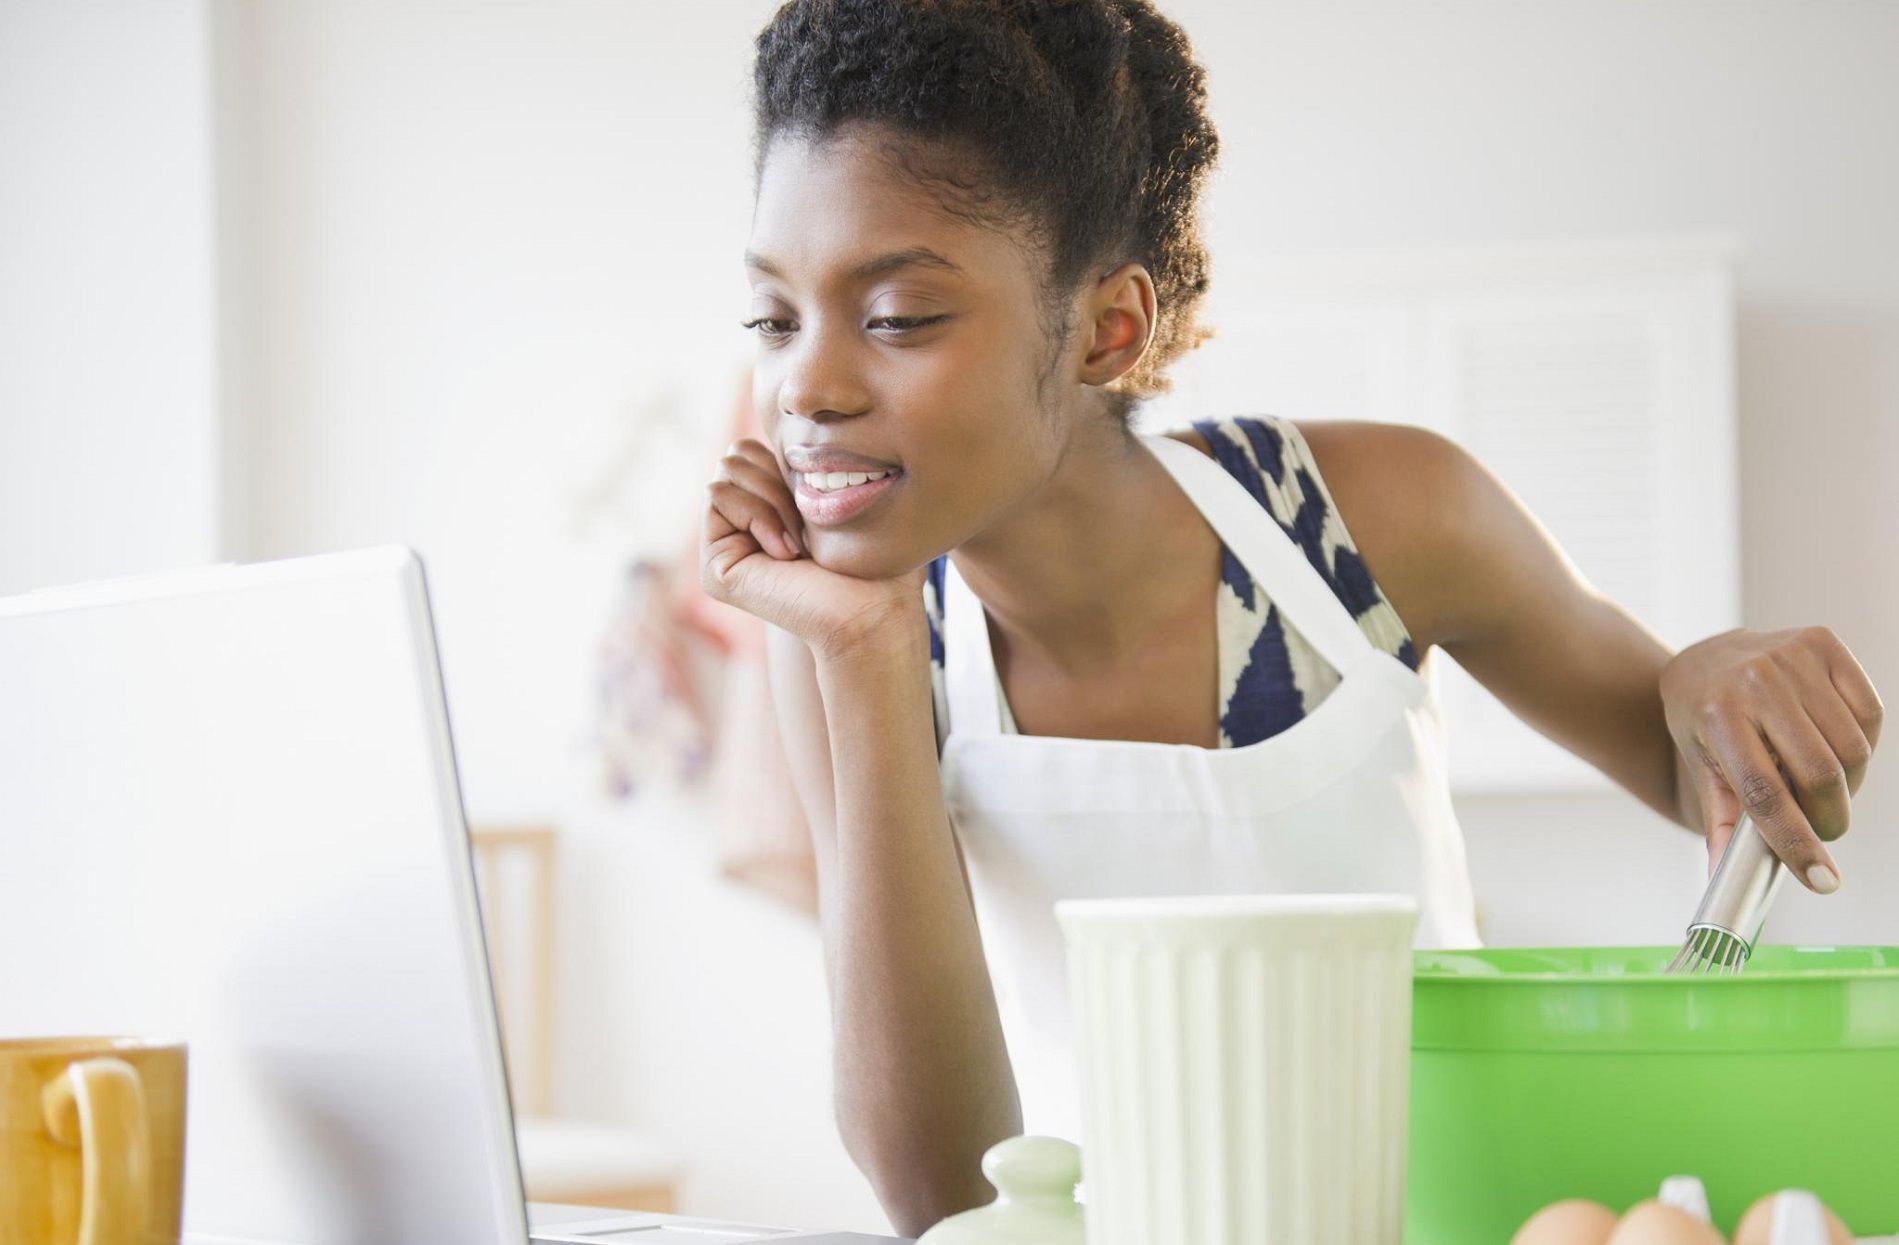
(1243,1065)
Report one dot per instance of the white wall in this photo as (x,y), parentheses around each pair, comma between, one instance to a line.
(107,415)
(473,239)
(460,246)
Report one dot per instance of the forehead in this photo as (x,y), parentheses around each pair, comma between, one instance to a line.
(826,206)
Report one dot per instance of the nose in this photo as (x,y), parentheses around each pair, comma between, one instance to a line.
(823,379)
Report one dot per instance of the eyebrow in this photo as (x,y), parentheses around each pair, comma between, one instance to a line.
(882,265)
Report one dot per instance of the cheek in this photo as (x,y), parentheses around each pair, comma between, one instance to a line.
(996,430)
(975,442)
(991,424)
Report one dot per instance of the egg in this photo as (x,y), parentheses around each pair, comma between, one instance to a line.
(1654,1223)
(1757,1224)
(1567,1223)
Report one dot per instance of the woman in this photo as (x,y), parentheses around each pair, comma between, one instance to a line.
(1020,653)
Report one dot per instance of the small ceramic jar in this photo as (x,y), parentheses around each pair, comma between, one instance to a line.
(1035,1178)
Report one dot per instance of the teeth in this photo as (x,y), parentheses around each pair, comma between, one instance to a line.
(829,481)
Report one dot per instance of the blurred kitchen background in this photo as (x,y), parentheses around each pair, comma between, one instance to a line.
(278,278)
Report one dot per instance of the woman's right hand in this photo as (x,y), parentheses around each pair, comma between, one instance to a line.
(753,555)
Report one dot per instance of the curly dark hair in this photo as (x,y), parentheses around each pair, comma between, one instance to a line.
(1087,120)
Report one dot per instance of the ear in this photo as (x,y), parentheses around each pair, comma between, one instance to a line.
(1119,322)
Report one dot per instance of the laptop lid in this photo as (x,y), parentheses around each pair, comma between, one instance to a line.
(229,813)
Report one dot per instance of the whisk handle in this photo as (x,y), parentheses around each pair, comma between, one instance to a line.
(1743,885)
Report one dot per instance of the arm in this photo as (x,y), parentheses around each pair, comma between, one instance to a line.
(1470,570)
(923,1082)
(1781,724)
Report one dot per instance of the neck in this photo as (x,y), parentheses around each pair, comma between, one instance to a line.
(1086,568)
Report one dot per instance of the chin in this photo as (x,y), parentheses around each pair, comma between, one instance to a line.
(862,555)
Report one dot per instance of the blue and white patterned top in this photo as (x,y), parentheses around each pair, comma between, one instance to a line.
(1270,677)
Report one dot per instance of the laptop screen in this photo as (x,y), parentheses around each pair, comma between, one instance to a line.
(229,814)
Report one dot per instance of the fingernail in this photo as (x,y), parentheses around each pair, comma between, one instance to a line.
(1823,879)
(792,543)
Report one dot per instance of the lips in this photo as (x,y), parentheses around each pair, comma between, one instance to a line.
(829,458)
(830,507)
(834,485)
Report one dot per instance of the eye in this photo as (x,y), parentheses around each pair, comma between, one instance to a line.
(905,324)
(768,327)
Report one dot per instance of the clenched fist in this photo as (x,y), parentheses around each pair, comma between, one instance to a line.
(753,554)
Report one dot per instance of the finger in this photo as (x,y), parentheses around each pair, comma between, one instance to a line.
(1836,721)
(1718,843)
(755,450)
(1813,770)
(757,453)
(768,485)
(732,545)
(760,517)
(1753,775)
(760,453)
(1850,680)
(1719,807)
(1778,692)
(745,511)
(714,526)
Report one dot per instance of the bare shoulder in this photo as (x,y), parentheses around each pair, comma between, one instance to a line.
(1386,476)
(1411,500)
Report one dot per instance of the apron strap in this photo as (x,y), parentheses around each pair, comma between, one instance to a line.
(1276,561)
(969,668)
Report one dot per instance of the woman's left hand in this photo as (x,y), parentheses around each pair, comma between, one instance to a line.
(1779,724)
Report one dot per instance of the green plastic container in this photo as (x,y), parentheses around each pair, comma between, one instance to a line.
(1539,1075)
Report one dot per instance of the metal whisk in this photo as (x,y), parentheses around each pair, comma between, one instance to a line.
(1729,920)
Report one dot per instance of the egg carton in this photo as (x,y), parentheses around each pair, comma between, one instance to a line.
(1798,1218)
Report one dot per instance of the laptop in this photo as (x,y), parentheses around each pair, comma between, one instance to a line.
(229,813)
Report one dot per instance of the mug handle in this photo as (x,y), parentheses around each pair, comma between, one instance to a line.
(99,1106)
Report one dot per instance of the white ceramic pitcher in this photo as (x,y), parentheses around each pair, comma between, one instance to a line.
(1243,1064)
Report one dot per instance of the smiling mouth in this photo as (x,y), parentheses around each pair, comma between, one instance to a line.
(830,498)
(835,481)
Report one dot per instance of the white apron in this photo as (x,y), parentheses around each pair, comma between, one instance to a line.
(1352,798)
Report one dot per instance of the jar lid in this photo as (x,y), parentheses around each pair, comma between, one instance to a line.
(1035,1179)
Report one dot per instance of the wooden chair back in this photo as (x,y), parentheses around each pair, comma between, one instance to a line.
(514,872)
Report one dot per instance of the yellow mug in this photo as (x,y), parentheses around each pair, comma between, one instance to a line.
(92,1140)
